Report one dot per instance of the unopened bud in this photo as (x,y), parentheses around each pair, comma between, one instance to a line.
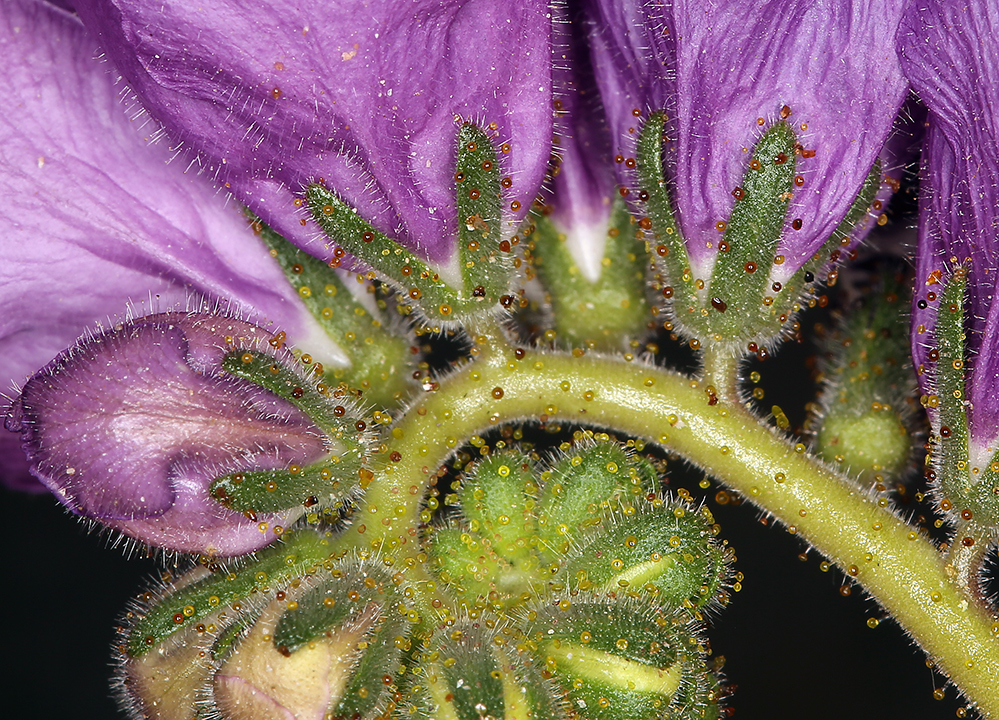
(480,669)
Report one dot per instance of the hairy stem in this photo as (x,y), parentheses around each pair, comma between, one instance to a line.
(889,558)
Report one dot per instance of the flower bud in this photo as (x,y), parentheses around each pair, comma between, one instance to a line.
(863,423)
(584,483)
(479,668)
(662,547)
(300,645)
(130,428)
(511,538)
(167,683)
(491,552)
(621,658)
(330,649)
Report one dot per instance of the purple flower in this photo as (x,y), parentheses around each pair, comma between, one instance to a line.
(725,71)
(950,53)
(367,97)
(98,222)
(131,427)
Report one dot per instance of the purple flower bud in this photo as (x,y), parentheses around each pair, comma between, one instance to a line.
(99,220)
(130,428)
(948,51)
(725,72)
(367,97)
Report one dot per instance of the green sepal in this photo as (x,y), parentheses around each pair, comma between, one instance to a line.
(964,487)
(228,637)
(862,424)
(984,500)
(333,414)
(362,597)
(606,314)
(619,657)
(486,268)
(949,443)
(799,290)
(291,556)
(830,254)
(581,486)
(478,668)
(739,304)
(324,484)
(497,497)
(329,482)
(747,247)
(380,361)
(664,548)
(951,437)
(666,245)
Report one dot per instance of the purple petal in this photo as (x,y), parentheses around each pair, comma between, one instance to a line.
(365,95)
(633,49)
(950,53)
(131,428)
(584,182)
(97,219)
(831,63)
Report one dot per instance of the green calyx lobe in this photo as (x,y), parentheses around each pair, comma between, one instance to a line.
(666,244)
(277,563)
(328,482)
(869,382)
(748,245)
(342,595)
(961,489)
(380,361)
(738,303)
(486,263)
(606,313)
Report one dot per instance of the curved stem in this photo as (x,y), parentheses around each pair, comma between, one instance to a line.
(890,559)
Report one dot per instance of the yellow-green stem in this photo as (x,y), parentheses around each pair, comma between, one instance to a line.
(900,568)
